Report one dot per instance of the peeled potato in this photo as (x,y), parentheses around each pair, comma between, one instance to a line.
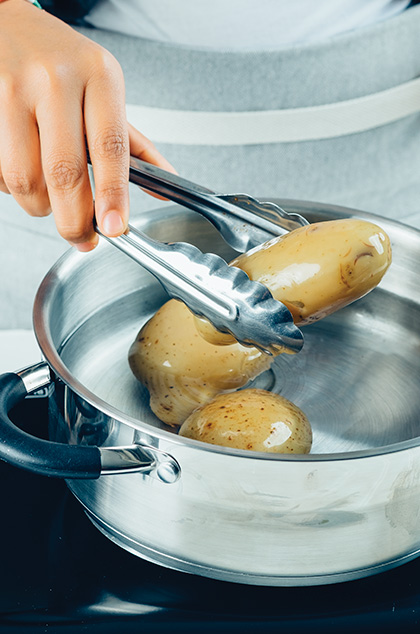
(181,370)
(251,419)
(316,269)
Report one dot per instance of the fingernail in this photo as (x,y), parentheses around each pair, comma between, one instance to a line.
(113,224)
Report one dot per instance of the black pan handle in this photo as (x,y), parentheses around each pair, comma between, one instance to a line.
(70,461)
(34,454)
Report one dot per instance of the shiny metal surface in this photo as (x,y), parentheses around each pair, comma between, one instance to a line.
(35,377)
(138,458)
(210,288)
(87,422)
(349,509)
(243,221)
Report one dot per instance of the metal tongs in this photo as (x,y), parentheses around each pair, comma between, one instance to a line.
(204,281)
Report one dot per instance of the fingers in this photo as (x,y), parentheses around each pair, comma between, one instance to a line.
(21,170)
(63,155)
(45,123)
(107,138)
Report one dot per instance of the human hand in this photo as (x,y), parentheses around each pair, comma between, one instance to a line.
(59,91)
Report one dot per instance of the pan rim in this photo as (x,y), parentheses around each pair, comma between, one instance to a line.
(50,353)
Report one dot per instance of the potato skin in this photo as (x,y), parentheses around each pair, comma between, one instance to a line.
(251,419)
(182,370)
(317,269)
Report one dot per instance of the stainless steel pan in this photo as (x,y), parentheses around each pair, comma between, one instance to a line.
(349,509)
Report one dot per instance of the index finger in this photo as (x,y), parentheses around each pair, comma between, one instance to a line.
(107,138)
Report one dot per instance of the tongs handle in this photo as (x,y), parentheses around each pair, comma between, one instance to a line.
(211,288)
(243,221)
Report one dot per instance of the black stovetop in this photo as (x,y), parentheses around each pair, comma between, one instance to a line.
(59,574)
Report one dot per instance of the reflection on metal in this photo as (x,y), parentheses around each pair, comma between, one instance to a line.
(210,288)
(347,510)
(35,377)
(139,459)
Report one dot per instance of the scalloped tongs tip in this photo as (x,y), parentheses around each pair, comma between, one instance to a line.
(204,281)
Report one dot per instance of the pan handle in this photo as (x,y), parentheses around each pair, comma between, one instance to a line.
(59,460)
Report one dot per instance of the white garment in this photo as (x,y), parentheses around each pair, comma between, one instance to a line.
(240,24)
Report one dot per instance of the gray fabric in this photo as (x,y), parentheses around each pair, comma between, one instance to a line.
(355,64)
(377,170)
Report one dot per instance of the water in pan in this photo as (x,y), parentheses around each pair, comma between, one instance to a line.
(356,377)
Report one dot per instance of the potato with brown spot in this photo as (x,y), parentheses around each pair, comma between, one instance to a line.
(251,419)
(181,370)
(317,269)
